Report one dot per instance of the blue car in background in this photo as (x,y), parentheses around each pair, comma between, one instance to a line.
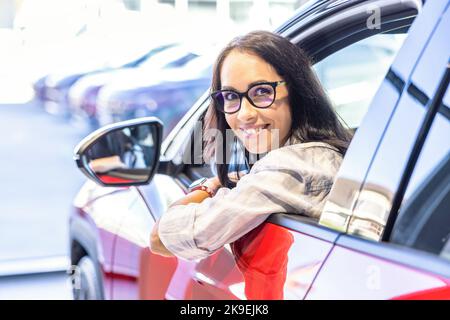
(82,96)
(168,97)
(52,89)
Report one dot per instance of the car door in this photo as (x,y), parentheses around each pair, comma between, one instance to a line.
(271,262)
(412,262)
(138,273)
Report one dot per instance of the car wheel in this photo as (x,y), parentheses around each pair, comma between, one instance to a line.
(87,284)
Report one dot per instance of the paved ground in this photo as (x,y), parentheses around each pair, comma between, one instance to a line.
(38,182)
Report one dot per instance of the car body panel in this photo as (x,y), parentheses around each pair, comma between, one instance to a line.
(440,293)
(138,273)
(102,216)
(354,274)
(264,264)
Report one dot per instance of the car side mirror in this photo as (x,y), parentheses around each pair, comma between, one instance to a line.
(121,154)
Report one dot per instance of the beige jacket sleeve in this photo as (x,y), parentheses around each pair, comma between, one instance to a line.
(293,179)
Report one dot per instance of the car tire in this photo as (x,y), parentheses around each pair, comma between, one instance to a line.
(87,285)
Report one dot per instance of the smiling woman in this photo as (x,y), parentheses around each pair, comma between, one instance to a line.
(264,94)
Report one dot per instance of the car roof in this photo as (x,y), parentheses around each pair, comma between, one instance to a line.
(315,10)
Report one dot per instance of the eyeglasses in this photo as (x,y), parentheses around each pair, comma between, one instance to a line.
(260,95)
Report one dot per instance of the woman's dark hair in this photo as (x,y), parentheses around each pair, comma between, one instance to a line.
(313,118)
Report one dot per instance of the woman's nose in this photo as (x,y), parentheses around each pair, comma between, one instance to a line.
(247,111)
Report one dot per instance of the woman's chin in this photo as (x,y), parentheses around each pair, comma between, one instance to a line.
(257,147)
(257,144)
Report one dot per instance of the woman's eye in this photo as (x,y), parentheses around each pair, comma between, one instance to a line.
(262,91)
(229,96)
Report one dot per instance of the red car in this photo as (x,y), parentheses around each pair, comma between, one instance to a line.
(385,229)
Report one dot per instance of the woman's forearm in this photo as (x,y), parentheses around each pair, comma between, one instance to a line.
(196,196)
(156,245)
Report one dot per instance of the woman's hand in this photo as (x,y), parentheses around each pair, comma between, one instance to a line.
(213,184)
(156,245)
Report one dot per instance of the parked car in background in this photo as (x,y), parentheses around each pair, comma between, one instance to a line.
(53,88)
(168,98)
(83,94)
(385,229)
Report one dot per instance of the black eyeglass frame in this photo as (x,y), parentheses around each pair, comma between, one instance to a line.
(273,84)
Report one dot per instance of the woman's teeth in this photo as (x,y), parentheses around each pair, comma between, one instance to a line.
(254,130)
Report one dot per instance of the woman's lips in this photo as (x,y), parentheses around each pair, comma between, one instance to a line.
(253,131)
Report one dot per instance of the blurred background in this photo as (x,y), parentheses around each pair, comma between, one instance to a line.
(70,66)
